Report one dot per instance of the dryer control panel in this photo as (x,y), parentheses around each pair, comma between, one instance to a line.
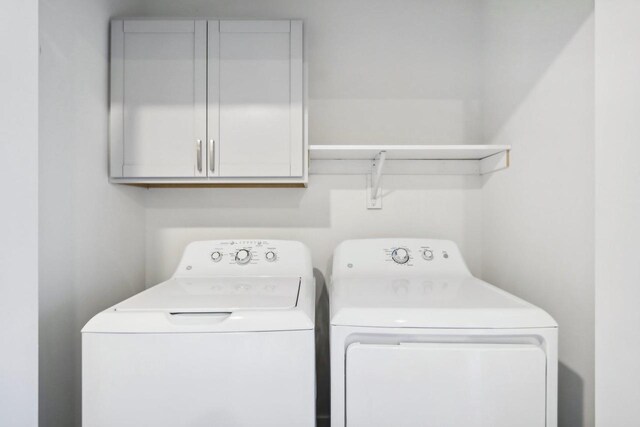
(245,258)
(393,257)
(407,255)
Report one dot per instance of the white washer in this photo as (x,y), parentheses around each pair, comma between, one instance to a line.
(416,340)
(227,341)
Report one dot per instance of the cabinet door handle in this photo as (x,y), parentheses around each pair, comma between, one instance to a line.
(199,154)
(212,144)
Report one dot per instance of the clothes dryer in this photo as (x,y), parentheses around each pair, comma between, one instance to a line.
(416,340)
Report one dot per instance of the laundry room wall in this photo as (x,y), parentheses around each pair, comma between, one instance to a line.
(538,216)
(92,233)
(330,210)
(617,212)
(19,213)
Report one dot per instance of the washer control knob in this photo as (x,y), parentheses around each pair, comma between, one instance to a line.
(216,256)
(427,254)
(271,256)
(243,256)
(400,255)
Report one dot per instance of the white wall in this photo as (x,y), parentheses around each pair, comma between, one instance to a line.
(19,213)
(538,220)
(332,209)
(91,232)
(617,212)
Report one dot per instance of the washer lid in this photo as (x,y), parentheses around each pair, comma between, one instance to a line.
(213,295)
(435,302)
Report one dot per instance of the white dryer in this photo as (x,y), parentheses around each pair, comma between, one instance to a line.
(416,340)
(227,341)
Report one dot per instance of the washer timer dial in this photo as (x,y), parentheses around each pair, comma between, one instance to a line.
(243,256)
(400,255)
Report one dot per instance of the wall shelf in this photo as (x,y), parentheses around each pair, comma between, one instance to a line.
(376,160)
(409,159)
(406,152)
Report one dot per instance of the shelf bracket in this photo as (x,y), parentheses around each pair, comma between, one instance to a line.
(495,162)
(374,181)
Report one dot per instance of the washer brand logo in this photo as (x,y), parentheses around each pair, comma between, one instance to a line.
(246,242)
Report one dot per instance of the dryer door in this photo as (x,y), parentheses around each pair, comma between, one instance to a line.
(445,385)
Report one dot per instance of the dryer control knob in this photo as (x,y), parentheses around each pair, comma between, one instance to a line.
(400,255)
(243,256)
(427,254)
(216,256)
(270,256)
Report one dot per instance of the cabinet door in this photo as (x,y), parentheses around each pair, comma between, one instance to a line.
(256,99)
(158,98)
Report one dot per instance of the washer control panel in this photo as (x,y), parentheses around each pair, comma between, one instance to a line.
(244,257)
(243,252)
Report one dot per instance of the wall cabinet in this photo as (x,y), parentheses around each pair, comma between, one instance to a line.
(207,101)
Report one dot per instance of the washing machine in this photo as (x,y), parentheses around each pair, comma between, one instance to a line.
(416,340)
(227,341)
